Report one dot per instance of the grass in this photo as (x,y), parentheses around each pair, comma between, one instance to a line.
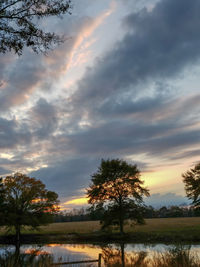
(167,224)
(176,257)
(152,225)
(159,229)
(71,227)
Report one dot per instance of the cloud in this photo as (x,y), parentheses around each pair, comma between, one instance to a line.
(89,26)
(159,45)
(168,199)
(43,118)
(67,177)
(13,134)
(4,171)
(24,76)
(30,73)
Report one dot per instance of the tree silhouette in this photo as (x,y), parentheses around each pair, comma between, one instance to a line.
(19,20)
(26,201)
(191,180)
(117,186)
(2,193)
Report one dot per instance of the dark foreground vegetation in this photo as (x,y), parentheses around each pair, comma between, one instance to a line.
(176,256)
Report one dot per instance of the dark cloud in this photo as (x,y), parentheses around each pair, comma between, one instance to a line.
(159,45)
(168,199)
(13,134)
(43,119)
(4,171)
(67,177)
(24,74)
(126,138)
(186,154)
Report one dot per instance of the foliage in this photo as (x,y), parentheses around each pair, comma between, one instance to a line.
(27,202)
(34,258)
(177,256)
(117,186)
(1,199)
(191,180)
(19,20)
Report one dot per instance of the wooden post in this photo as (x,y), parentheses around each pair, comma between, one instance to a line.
(99,262)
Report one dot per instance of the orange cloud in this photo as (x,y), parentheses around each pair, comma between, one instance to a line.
(86,33)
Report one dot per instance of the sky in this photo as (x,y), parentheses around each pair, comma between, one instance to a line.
(124,84)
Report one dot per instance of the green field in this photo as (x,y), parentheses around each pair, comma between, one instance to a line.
(159,229)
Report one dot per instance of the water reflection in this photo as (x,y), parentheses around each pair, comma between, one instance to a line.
(118,257)
(32,258)
(175,256)
(113,255)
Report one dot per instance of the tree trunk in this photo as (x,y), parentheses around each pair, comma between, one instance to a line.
(121,225)
(121,220)
(17,255)
(122,255)
(17,235)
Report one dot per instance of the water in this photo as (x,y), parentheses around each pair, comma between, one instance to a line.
(77,252)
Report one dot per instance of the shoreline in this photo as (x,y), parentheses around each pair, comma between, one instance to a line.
(100,237)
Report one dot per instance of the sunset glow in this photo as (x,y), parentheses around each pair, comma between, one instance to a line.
(78,201)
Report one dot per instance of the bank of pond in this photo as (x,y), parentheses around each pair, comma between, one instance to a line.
(112,254)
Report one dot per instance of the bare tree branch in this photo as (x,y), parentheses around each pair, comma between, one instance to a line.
(19,25)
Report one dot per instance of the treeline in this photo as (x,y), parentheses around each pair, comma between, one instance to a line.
(91,214)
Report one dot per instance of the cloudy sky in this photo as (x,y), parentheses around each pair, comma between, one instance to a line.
(125,84)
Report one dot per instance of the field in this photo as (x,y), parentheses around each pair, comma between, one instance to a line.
(159,229)
(152,225)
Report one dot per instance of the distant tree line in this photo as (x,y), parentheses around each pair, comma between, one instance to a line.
(90,214)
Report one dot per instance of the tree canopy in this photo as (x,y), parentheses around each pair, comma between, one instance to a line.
(19,20)
(117,186)
(191,180)
(26,201)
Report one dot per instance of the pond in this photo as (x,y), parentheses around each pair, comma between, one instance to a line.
(112,254)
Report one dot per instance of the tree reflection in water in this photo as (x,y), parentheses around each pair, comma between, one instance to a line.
(179,256)
(117,257)
(30,258)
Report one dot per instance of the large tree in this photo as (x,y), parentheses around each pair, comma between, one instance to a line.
(26,202)
(191,180)
(117,186)
(19,24)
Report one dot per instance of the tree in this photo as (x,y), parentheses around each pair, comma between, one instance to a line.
(2,193)
(19,21)
(117,186)
(26,201)
(191,180)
